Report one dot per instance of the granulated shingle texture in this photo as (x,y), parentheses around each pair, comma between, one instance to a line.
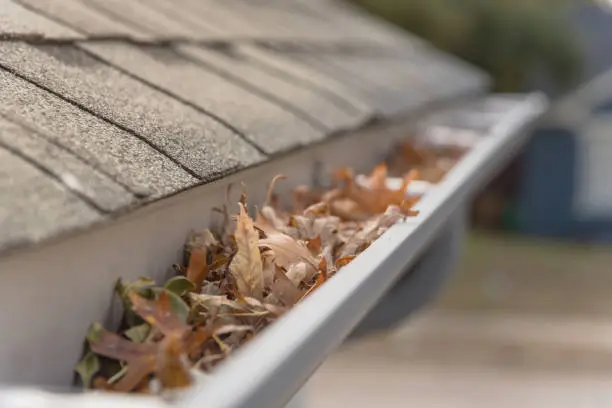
(383,99)
(109,104)
(194,140)
(83,180)
(34,207)
(15,20)
(258,119)
(141,16)
(125,158)
(308,103)
(80,17)
(286,67)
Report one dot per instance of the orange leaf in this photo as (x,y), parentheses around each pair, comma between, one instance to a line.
(344,261)
(197,268)
(159,313)
(314,245)
(172,364)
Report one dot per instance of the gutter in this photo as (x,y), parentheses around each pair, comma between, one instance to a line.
(268,371)
(278,362)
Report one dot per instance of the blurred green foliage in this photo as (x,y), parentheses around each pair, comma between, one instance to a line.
(513,40)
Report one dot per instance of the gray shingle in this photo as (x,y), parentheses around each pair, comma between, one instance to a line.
(194,140)
(241,19)
(124,157)
(198,19)
(282,65)
(141,16)
(77,176)
(377,97)
(80,17)
(360,25)
(394,81)
(308,102)
(273,19)
(15,20)
(34,207)
(268,125)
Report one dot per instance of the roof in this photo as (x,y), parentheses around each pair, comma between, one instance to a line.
(110,104)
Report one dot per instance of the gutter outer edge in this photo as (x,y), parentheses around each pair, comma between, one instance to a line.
(270,370)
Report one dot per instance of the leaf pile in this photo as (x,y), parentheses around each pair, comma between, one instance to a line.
(237,280)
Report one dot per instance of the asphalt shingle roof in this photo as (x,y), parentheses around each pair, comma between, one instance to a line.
(108,104)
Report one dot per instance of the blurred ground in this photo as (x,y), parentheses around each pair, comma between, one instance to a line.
(523,323)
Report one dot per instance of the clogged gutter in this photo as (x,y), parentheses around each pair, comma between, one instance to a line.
(242,275)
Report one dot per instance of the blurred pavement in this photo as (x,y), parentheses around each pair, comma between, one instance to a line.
(522,324)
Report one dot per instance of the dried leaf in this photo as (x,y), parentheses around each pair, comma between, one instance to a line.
(246,266)
(344,261)
(123,289)
(285,290)
(200,244)
(275,179)
(173,368)
(300,272)
(278,255)
(159,313)
(286,250)
(140,357)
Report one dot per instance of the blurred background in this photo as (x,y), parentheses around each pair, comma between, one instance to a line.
(526,319)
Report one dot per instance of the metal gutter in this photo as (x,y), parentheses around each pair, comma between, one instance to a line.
(275,365)
(270,370)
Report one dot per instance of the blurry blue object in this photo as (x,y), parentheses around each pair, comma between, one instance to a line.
(548,184)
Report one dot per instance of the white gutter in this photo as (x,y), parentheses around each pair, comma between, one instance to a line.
(268,371)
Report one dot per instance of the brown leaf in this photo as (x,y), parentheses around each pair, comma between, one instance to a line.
(246,266)
(195,340)
(315,245)
(172,364)
(286,250)
(268,268)
(285,290)
(321,279)
(140,357)
(159,313)
(197,268)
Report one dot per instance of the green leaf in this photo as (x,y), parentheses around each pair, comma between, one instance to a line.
(93,334)
(87,368)
(139,333)
(179,285)
(179,307)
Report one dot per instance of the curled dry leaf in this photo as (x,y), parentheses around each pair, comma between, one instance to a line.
(197,268)
(241,277)
(246,266)
(286,250)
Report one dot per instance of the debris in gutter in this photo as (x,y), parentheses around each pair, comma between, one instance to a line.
(240,277)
